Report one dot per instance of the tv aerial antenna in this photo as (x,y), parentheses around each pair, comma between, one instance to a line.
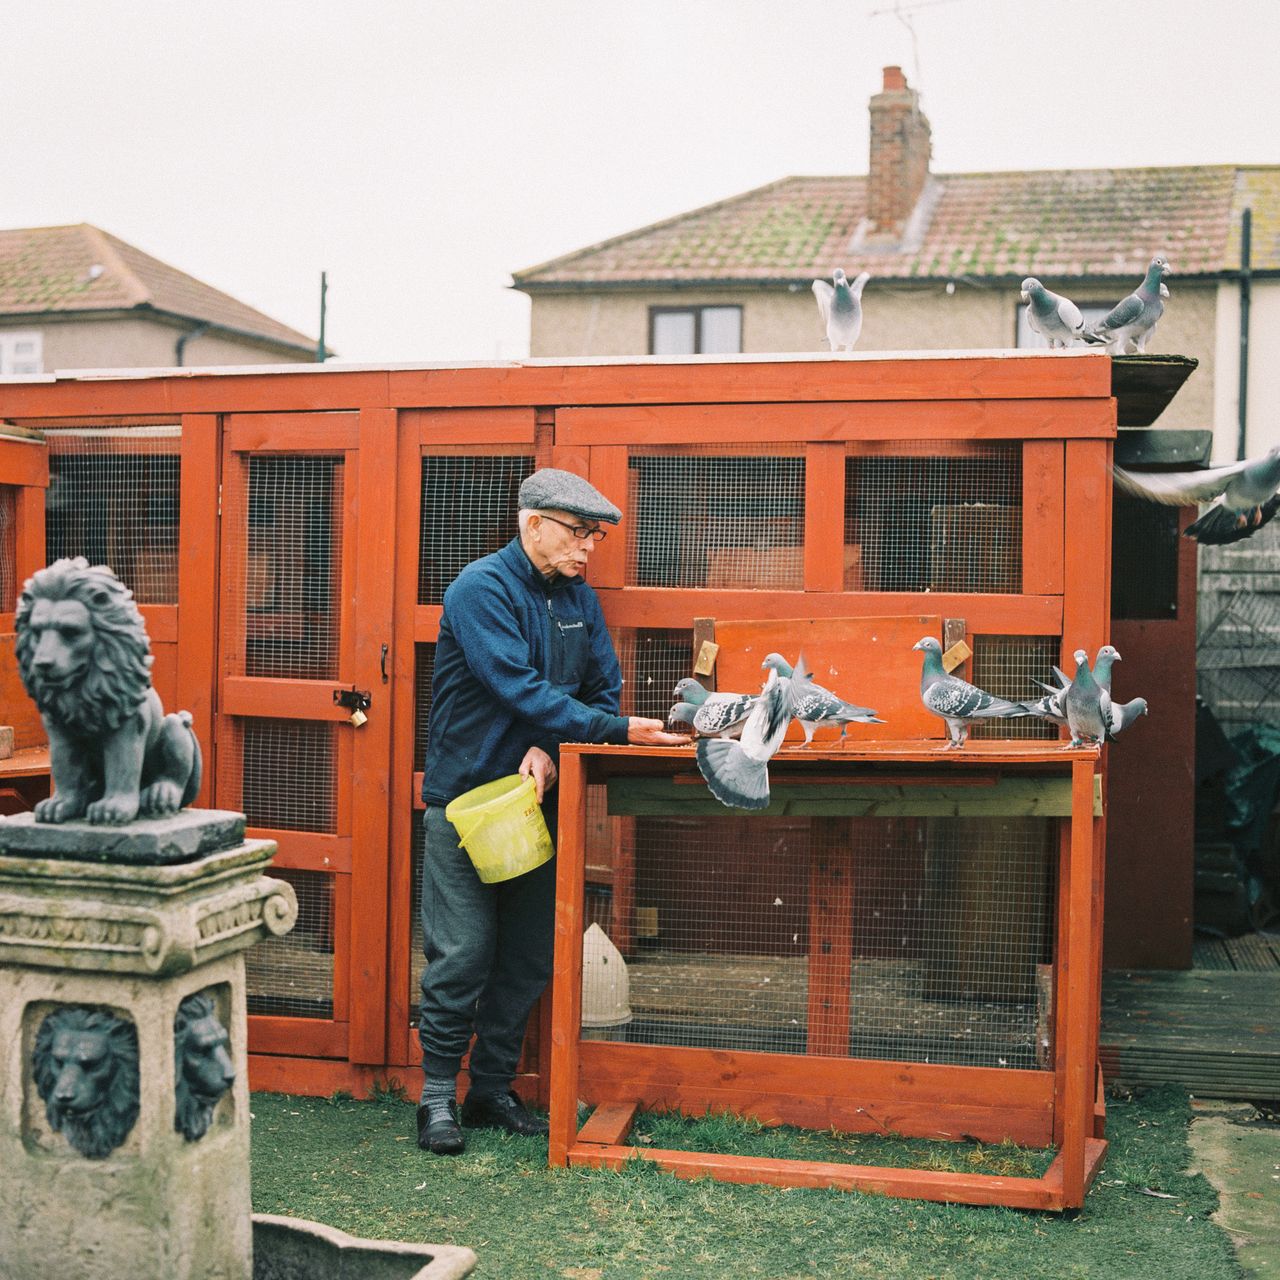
(904,14)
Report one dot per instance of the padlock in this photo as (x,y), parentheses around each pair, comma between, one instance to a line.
(358,717)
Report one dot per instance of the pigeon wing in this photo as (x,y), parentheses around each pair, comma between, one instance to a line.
(824,292)
(1177,488)
(719,715)
(1127,311)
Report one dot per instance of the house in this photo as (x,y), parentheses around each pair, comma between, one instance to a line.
(76,297)
(947,253)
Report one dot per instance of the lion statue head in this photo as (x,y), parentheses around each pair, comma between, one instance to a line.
(85,1064)
(203,1066)
(83,652)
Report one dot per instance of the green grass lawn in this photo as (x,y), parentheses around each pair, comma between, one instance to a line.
(356,1166)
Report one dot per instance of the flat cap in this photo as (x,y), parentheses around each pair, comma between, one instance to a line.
(553,490)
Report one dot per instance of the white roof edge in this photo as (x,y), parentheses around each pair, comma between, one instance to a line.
(334,366)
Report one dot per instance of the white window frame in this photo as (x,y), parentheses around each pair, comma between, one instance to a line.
(16,363)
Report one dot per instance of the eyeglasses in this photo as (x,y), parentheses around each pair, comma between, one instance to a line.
(582,532)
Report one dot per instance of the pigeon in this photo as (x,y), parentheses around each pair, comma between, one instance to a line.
(1248,491)
(957,701)
(1107,656)
(1055,318)
(713,715)
(1132,319)
(821,706)
(738,772)
(1082,703)
(1117,716)
(841,306)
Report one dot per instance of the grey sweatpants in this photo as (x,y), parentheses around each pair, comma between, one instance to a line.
(489,950)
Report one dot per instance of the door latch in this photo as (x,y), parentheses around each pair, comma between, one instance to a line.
(357,701)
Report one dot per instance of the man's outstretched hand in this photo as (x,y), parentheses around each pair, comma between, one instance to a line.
(650,733)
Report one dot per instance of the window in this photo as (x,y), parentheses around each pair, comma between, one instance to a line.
(690,331)
(1026,338)
(21,352)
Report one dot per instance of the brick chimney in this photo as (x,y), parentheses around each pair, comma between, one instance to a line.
(901,144)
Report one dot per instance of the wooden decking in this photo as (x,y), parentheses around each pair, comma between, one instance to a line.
(1213,1030)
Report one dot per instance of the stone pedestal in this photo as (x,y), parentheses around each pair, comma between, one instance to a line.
(126,944)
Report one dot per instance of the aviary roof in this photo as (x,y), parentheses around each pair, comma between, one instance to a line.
(51,269)
(1053,223)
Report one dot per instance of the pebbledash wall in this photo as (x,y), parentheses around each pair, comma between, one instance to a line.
(289,535)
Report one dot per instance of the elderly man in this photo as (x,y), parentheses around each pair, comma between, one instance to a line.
(523,663)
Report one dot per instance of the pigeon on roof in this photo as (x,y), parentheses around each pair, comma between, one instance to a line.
(957,701)
(820,706)
(841,306)
(1055,318)
(738,772)
(713,715)
(1131,321)
(1247,490)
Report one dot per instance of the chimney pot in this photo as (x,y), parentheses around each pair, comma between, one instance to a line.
(894,80)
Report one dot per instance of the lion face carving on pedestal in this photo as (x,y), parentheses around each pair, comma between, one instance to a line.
(85,1063)
(84,658)
(203,1066)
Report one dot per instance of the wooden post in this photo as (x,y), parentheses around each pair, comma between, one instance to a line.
(830,935)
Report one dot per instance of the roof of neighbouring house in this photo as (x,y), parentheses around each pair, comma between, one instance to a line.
(1056,223)
(81,268)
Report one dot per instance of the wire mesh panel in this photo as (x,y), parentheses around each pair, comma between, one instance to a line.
(8,547)
(292,976)
(286,778)
(113,498)
(652,659)
(718,518)
(927,518)
(902,939)
(469,505)
(1008,666)
(424,666)
(417,959)
(1238,656)
(283,569)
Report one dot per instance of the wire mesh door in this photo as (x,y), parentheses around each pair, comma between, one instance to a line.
(287,751)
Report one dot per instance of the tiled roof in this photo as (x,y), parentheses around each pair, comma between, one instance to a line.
(1057,223)
(81,268)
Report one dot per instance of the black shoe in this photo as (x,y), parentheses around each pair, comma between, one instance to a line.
(443,1137)
(501,1111)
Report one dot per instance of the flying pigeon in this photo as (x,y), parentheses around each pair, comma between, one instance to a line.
(1248,490)
(821,706)
(1083,705)
(1132,319)
(841,306)
(957,701)
(738,772)
(1055,318)
(713,715)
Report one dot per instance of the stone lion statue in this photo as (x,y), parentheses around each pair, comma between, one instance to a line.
(204,1070)
(84,658)
(85,1064)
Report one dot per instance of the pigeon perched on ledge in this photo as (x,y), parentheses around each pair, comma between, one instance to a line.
(737,773)
(1055,318)
(1117,716)
(957,701)
(820,706)
(1248,491)
(1082,703)
(1133,319)
(713,715)
(841,306)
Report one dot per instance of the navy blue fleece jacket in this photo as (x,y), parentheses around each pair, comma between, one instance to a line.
(519,663)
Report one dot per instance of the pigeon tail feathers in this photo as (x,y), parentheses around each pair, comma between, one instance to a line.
(732,776)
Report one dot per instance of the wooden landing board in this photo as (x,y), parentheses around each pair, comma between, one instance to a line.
(1215,1032)
(1001,797)
(867,661)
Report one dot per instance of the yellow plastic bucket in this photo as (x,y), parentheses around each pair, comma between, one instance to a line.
(501,827)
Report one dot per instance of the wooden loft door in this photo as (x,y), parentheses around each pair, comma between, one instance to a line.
(305,534)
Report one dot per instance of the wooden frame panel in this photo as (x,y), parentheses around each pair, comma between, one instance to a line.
(856,1095)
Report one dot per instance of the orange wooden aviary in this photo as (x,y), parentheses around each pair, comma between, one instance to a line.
(289,534)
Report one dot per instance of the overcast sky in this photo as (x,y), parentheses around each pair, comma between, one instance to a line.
(420,151)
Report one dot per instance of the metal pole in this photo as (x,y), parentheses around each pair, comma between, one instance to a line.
(1246,290)
(324,288)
